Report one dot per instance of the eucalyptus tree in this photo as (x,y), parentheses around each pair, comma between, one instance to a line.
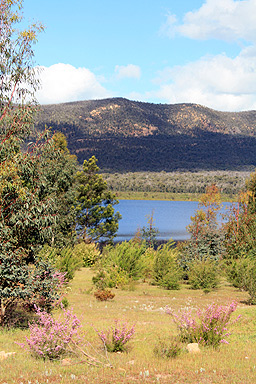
(28,214)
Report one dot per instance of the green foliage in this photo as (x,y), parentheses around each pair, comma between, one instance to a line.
(44,285)
(115,338)
(251,189)
(89,253)
(240,231)
(242,274)
(64,302)
(208,327)
(28,208)
(95,213)
(68,262)
(148,183)
(204,274)
(206,237)
(58,168)
(168,347)
(110,277)
(101,280)
(150,232)
(240,243)
(127,256)
(65,260)
(210,245)
(165,270)
(122,263)
(147,263)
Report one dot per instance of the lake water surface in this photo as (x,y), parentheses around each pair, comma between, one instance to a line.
(170,217)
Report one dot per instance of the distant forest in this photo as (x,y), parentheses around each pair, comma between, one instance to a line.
(229,183)
(130,136)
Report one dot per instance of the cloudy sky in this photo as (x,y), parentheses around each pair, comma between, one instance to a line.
(159,51)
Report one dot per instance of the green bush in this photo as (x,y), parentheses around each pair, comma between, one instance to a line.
(166,273)
(168,348)
(127,256)
(206,246)
(113,277)
(67,262)
(64,260)
(147,262)
(242,274)
(89,253)
(100,280)
(203,274)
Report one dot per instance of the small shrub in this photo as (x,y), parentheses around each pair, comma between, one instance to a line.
(115,338)
(126,256)
(47,286)
(209,328)
(117,277)
(50,338)
(100,280)
(104,295)
(68,262)
(203,274)
(206,246)
(149,233)
(147,263)
(64,260)
(64,302)
(168,348)
(166,272)
(89,253)
(242,274)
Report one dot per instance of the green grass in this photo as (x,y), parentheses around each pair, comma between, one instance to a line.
(168,196)
(231,364)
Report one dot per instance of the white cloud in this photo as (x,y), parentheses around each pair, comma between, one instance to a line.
(128,71)
(220,19)
(63,82)
(218,82)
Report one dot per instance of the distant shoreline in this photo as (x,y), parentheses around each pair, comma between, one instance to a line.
(168,196)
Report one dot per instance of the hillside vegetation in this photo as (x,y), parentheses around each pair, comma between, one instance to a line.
(230,183)
(133,136)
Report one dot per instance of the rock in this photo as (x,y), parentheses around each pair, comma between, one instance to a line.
(66,362)
(193,348)
(4,355)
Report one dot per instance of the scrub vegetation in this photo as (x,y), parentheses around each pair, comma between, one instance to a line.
(74,306)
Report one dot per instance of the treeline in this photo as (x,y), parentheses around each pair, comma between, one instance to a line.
(230,183)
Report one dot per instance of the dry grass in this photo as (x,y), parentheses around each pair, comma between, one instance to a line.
(233,363)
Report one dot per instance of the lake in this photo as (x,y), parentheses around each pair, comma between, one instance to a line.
(170,217)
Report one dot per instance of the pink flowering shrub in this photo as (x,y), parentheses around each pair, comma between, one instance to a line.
(209,327)
(115,338)
(50,338)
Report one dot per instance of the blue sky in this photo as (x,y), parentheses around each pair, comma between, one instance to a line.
(160,51)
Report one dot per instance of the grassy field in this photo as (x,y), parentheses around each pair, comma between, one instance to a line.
(168,196)
(144,305)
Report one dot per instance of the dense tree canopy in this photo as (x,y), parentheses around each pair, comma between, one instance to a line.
(31,194)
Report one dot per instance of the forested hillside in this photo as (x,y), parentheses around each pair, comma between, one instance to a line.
(134,136)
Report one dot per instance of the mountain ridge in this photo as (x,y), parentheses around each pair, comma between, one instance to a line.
(129,135)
